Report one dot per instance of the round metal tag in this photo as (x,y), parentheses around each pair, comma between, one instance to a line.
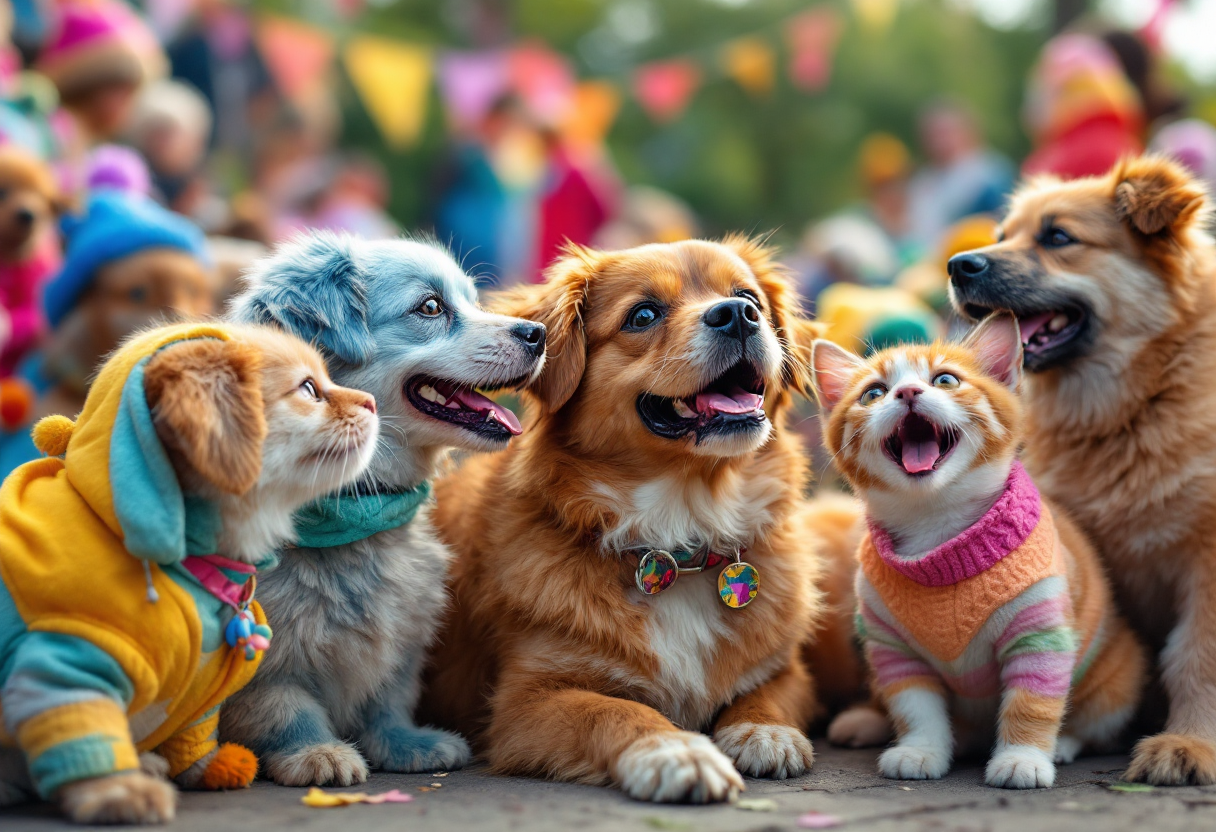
(738,584)
(656,571)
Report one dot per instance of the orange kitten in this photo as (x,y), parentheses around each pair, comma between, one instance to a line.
(981,605)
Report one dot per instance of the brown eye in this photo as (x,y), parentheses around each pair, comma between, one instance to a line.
(873,393)
(946,381)
(309,388)
(430,308)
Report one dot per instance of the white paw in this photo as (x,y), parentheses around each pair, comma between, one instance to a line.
(776,751)
(336,764)
(1020,767)
(914,762)
(127,798)
(860,727)
(1067,749)
(677,767)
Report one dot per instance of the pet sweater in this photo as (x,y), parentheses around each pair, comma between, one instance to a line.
(91,667)
(988,610)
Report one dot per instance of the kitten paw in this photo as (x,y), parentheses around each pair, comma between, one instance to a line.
(327,764)
(128,798)
(154,765)
(409,749)
(677,767)
(1173,760)
(1020,767)
(914,762)
(776,751)
(1067,749)
(860,727)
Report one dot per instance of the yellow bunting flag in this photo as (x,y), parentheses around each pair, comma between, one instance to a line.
(393,79)
(876,15)
(751,63)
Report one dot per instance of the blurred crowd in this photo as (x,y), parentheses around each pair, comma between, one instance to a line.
(145,163)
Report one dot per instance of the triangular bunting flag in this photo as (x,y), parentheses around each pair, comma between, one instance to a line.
(297,55)
(591,113)
(876,15)
(543,79)
(664,88)
(393,79)
(751,62)
(470,83)
(811,38)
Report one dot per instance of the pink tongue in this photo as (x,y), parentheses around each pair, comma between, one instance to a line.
(473,400)
(1033,324)
(920,456)
(739,401)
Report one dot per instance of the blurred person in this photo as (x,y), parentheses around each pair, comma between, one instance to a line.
(647,215)
(574,203)
(885,168)
(171,127)
(1081,111)
(961,176)
(1143,69)
(846,248)
(867,319)
(356,200)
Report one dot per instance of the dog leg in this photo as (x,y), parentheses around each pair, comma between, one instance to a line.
(291,734)
(1186,753)
(392,742)
(762,730)
(541,727)
(861,726)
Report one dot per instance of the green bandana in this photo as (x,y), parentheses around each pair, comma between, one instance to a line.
(338,519)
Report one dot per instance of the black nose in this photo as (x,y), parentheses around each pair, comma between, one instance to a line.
(966,267)
(24,216)
(531,335)
(735,318)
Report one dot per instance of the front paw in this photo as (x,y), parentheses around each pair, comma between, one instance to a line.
(406,750)
(336,763)
(677,767)
(776,751)
(1020,767)
(1173,760)
(233,767)
(128,798)
(914,762)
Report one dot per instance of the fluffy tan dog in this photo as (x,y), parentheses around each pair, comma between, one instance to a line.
(659,426)
(1113,281)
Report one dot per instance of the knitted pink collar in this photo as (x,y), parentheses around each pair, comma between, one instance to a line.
(1003,528)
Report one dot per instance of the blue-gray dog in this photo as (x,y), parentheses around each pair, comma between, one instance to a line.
(355,607)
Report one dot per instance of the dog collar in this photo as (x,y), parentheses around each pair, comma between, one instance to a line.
(243,631)
(657,570)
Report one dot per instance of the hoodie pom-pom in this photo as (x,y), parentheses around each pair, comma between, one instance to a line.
(16,403)
(51,434)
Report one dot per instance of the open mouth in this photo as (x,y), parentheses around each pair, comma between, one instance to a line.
(461,405)
(732,403)
(918,446)
(1048,336)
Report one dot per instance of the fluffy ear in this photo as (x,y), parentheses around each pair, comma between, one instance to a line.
(312,288)
(997,344)
(832,368)
(558,304)
(1155,194)
(795,332)
(206,401)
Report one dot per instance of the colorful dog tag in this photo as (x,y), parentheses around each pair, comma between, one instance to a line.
(656,571)
(738,584)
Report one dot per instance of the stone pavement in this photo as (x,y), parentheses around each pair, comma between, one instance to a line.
(843,784)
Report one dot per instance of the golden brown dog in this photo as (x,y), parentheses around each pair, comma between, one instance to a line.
(659,424)
(1114,284)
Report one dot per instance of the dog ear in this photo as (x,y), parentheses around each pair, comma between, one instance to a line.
(832,367)
(558,304)
(795,331)
(997,342)
(1155,194)
(206,401)
(313,288)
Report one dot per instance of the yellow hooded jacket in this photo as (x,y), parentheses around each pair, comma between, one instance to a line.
(107,643)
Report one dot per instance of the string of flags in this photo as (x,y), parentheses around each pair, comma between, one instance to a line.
(394,78)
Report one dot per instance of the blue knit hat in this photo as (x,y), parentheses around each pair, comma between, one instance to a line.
(116,225)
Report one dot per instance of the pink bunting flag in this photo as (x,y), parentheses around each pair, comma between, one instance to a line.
(543,79)
(664,88)
(811,38)
(470,83)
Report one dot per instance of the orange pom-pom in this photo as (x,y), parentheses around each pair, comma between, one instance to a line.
(52,433)
(233,767)
(16,403)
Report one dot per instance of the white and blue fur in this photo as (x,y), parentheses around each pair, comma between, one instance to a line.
(353,623)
